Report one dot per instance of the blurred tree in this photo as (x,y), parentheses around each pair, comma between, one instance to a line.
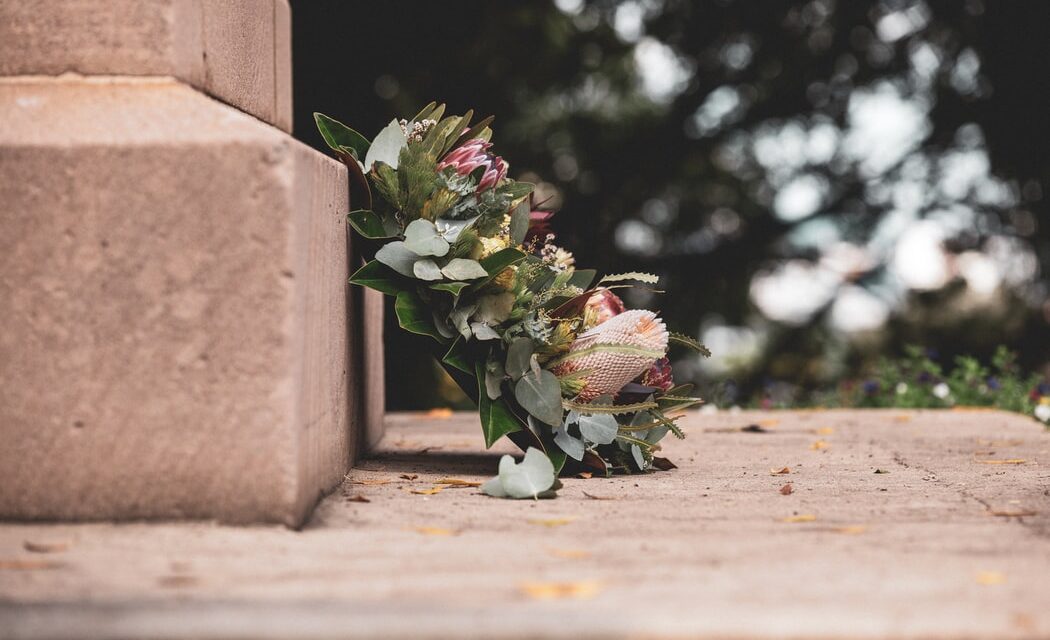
(816,181)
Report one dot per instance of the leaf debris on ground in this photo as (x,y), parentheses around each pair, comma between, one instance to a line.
(570,554)
(561,590)
(787,489)
(802,517)
(357,497)
(435,531)
(819,445)
(457,482)
(45,547)
(29,564)
(550,522)
(594,497)
(990,578)
(780,472)
(428,492)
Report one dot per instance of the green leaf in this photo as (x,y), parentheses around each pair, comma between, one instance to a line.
(398,257)
(456,356)
(573,447)
(582,278)
(463,269)
(426,269)
(425,112)
(539,393)
(519,356)
(599,428)
(494,379)
(691,343)
(496,418)
(371,225)
(519,222)
(421,237)
(637,276)
(452,287)
(336,135)
(474,131)
(414,316)
(386,148)
(497,262)
(515,190)
(376,275)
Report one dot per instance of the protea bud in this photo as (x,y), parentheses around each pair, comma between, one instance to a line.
(474,154)
(601,306)
(659,375)
(615,352)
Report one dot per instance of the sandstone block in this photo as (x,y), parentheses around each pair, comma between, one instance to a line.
(236,50)
(173,275)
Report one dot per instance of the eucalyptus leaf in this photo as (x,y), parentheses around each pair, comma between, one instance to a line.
(518,354)
(530,478)
(482,331)
(386,147)
(599,429)
(493,487)
(398,257)
(519,222)
(495,308)
(458,318)
(441,325)
(539,393)
(426,269)
(639,459)
(421,237)
(573,447)
(463,269)
(494,379)
(450,229)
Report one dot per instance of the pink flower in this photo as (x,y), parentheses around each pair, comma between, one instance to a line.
(472,155)
(659,375)
(602,305)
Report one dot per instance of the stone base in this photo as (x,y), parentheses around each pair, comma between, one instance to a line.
(173,274)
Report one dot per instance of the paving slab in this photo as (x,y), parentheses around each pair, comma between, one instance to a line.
(898,525)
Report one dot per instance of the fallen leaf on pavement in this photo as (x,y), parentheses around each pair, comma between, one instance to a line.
(780,472)
(663,464)
(851,530)
(804,517)
(570,554)
(1014,514)
(586,475)
(901,418)
(45,547)
(456,482)
(1009,461)
(551,522)
(441,412)
(787,489)
(370,482)
(754,428)
(594,497)
(990,578)
(406,476)
(878,471)
(357,497)
(29,564)
(769,422)
(819,445)
(428,492)
(825,431)
(435,531)
(560,590)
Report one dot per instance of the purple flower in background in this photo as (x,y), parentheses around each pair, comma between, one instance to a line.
(993,383)
(473,155)
(870,387)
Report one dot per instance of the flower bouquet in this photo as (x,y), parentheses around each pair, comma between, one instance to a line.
(553,359)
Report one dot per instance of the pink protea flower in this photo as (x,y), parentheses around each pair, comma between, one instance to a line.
(471,155)
(602,305)
(658,376)
(610,369)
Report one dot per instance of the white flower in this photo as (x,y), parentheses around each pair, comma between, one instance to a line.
(941,391)
(902,388)
(1042,412)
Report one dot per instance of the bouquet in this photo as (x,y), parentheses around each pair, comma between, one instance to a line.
(553,359)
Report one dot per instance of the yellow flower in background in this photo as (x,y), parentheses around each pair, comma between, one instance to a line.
(490,246)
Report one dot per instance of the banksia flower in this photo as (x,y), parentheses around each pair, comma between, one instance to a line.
(472,155)
(658,376)
(641,337)
(602,305)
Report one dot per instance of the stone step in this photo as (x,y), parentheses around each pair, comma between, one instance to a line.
(238,51)
(951,539)
(175,339)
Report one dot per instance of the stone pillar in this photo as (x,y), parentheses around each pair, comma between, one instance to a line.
(173,270)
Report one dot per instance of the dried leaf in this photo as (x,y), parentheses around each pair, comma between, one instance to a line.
(780,472)
(990,578)
(45,547)
(769,422)
(901,418)
(805,517)
(586,475)
(1023,513)
(825,431)
(551,522)
(428,492)
(371,482)
(594,497)
(456,482)
(29,564)
(851,530)
(787,489)
(560,590)
(440,412)
(1009,461)
(435,531)
(819,445)
(570,554)
(405,476)
(663,464)
(879,471)
(357,497)
(754,428)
